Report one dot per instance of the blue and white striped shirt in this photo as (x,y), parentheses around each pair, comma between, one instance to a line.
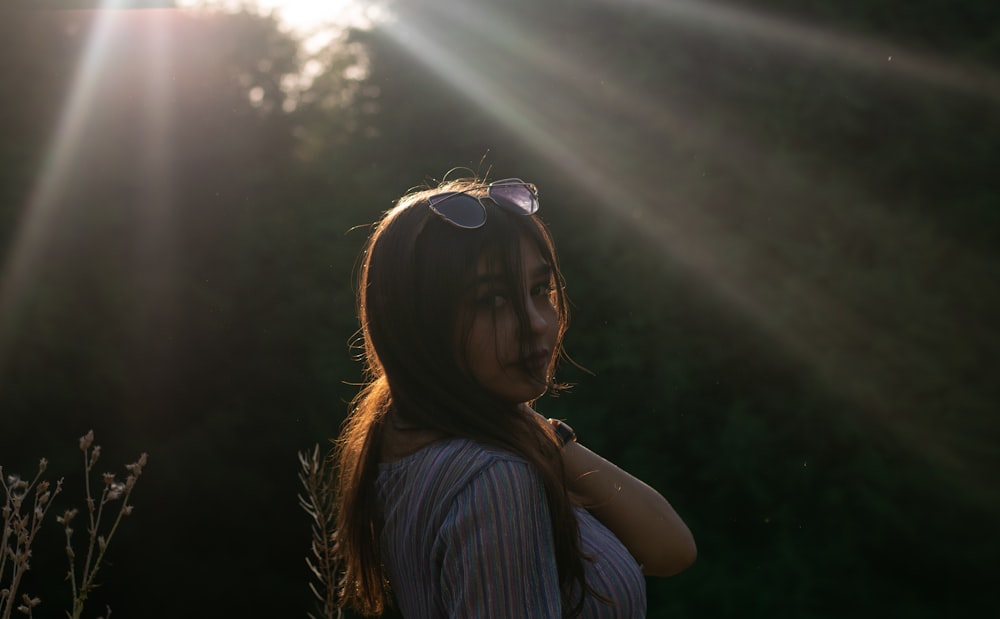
(467,534)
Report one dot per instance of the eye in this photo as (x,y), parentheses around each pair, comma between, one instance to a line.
(493,299)
(543,290)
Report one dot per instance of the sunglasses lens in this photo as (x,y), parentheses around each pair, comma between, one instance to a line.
(460,209)
(514,194)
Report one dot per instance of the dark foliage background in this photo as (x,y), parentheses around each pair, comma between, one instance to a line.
(778,221)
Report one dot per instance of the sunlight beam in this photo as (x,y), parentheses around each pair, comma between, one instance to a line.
(855,50)
(62,154)
(537,92)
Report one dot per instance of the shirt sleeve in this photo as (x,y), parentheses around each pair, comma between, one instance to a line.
(498,558)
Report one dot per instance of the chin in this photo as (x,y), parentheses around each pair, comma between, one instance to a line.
(520,389)
(529,394)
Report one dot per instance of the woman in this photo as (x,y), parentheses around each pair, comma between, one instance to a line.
(457,499)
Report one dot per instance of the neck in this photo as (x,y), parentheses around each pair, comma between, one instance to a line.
(400,439)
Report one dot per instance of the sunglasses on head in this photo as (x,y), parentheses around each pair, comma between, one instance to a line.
(467,211)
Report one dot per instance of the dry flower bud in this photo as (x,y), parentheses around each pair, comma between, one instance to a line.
(42,465)
(102,543)
(116,492)
(127,510)
(109,478)
(95,453)
(86,441)
(67,516)
(136,467)
(30,601)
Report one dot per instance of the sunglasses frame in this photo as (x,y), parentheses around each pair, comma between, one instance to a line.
(493,192)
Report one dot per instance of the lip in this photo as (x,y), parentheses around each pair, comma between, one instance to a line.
(538,361)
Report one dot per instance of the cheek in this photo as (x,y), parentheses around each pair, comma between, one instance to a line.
(480,343)
(464,342)
(492,341)
(551,315)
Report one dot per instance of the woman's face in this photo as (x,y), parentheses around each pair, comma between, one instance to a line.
(494,356)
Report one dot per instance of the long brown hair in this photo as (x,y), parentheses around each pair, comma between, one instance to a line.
(413,278)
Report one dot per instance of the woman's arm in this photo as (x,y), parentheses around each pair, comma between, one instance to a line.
(637,514)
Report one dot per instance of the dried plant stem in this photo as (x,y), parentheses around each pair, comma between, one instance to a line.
(97,543)
(20,528)
(319,503)
(19,531)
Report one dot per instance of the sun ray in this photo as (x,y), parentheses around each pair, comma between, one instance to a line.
(538,92)
(68,154)
(155,247)
(64,150)
(831,45)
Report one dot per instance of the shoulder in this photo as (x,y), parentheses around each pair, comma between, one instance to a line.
(456,460)
(493,475)
(446,469)
(493,549)
(466,526)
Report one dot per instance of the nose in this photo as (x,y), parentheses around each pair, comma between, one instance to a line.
(538,317)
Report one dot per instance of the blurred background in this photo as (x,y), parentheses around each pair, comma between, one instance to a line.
(779,223)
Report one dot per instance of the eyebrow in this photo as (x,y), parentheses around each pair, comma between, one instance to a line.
(544,270)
